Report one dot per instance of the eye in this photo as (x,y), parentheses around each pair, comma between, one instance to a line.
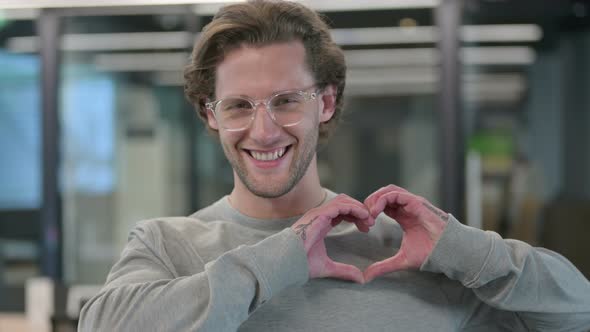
(235,104)
(290,99)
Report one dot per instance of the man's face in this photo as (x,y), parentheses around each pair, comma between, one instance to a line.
(267,158)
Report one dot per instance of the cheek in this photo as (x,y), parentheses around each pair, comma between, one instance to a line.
(306,129)
(313,122)
(229,139)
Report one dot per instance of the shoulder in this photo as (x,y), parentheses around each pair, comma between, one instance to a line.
(167,228)
(219,210)
(181,243)
(201,221)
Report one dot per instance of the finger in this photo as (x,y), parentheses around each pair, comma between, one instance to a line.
(344,205)
(398,188)
(376,207)
(336,222)
(392,264)
(354,209)
(373,199)
(326,217)
(363,225)
(406,208)
(343,271)
(383,190)
(343,198)
(409,203)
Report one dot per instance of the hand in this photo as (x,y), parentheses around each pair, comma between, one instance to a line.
(421,222)
(317,223)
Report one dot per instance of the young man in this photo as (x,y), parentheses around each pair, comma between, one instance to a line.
(267,79)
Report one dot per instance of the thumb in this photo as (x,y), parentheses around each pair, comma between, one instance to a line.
(343,271)
(392,264)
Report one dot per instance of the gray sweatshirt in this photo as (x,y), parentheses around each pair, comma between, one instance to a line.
(219,270)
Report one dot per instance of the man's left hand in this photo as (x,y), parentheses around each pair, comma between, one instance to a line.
(421,222)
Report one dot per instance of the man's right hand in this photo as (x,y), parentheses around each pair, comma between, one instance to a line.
(317,223)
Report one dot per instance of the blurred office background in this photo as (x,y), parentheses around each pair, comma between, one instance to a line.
(481,106)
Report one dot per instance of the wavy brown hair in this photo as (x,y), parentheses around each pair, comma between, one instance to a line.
(259,23)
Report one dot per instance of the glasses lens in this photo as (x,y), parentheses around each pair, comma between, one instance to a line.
(234,113)
(288,108)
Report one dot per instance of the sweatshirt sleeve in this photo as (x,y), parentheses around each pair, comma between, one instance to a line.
(143,294)
(541,287)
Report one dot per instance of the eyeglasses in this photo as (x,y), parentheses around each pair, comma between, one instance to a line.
(285,108)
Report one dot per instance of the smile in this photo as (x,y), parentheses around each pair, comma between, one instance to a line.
(268,156)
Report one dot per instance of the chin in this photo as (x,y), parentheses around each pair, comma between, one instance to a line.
(267,191)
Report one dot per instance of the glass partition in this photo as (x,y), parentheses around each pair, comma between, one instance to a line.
(389,131)
(527,117)
(133,149)
(20,149)
(125,132)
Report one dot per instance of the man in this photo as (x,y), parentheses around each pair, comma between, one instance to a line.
(267,79)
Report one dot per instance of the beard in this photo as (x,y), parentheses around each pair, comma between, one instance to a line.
(300,161)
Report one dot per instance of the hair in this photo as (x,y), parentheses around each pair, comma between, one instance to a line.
(260,23)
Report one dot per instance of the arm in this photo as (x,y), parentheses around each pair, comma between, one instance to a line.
(545,290)
(542,288)
(143,294)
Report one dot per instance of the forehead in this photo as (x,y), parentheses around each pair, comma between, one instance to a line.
(260,71)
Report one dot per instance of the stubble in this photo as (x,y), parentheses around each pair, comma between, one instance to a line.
(300,161)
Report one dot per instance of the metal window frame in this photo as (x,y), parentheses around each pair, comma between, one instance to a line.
(451,131)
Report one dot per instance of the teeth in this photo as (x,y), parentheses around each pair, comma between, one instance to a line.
(267,156)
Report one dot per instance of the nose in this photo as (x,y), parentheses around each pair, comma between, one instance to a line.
(263,128)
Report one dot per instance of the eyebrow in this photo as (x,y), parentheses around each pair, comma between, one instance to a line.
(272,94)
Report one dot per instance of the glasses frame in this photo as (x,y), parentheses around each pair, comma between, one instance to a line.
(308,96)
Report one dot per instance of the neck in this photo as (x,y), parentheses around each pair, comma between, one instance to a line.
(307,194)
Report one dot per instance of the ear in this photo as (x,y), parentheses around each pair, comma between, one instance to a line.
(328,103)
(211,120)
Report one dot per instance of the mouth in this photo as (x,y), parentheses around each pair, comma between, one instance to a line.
(267,156)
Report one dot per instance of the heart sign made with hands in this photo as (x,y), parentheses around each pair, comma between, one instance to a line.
(421,222)
(317,223)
